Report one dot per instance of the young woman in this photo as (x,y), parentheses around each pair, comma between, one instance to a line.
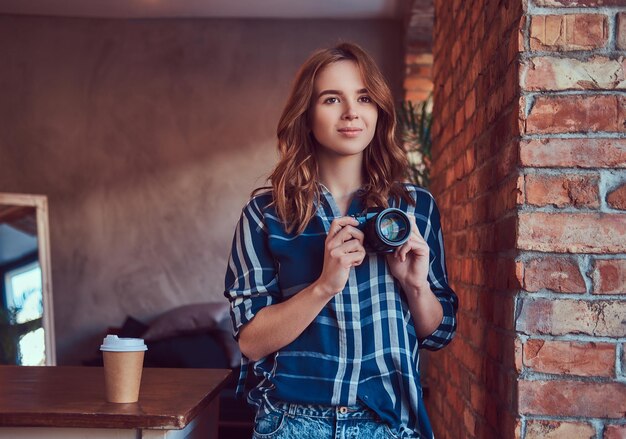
(335,330)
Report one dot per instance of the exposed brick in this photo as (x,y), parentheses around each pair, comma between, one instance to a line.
(568,32)
(472,359)
(614,432)
(416,96)
(519,355)
(504,234)
(558,430)
(470,104)
(596,73)
(609,276)
(572,232)
(578,3)
(477,78)
(518,429)
(499,343)
(570,358)
(417,83)
(459,121)
(562,316)
(572,398)
(621,112)
(617,198)
(473,328)
(507,423)
(553,273)
(582,153)
(478,189)
(562,190)
(507,161)
(419,58)
(469,420)
(621,30)
(419,71)
(575,113)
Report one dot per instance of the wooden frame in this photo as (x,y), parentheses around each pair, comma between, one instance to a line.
(40,203)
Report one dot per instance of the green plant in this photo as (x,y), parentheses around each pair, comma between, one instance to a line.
(414,124)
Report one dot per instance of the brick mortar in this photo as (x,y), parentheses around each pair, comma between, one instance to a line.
(580,55)
(571,337)
(587,297)
(557,172)
(566,136)
(558,93)
(530,376)
(556,210)
(614,421)
(532,9)
(526,255)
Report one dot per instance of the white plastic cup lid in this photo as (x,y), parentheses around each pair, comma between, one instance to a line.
(113,343)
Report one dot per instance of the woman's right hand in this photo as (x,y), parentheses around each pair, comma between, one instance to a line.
(343,249)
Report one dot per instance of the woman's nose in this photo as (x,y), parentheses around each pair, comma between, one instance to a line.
(350,113)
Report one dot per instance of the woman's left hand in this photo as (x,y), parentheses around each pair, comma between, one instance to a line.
(410,262)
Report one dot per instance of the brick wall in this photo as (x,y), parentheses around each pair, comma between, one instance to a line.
(529,170)
(478,188)
(418,82)
(571,309)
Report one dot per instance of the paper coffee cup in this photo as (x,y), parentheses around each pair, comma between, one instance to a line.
(123,364)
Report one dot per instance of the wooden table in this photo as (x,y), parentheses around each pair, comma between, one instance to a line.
(68,402)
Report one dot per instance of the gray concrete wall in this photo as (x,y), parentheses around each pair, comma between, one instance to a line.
(147,136)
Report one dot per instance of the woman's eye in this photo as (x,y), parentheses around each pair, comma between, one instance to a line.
(331,100)
(365,99)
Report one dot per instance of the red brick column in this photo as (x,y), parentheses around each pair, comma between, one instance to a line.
(529,169)
(571,309)
(476,181)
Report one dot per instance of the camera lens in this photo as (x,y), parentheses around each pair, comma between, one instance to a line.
(393,226)
(388,230)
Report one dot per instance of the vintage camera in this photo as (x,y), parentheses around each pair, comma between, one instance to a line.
(384,229)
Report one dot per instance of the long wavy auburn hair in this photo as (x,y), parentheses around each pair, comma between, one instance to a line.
(294,180)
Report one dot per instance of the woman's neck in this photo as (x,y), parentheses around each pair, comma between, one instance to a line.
(342,176)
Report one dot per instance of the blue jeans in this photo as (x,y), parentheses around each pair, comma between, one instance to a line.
(281,420)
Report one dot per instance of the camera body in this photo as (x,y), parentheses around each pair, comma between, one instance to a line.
(385,229)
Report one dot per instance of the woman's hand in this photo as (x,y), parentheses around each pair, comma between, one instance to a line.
(277,325)
(343,249)
(410,262)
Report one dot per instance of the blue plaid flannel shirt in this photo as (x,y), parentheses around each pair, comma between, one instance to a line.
(362,345)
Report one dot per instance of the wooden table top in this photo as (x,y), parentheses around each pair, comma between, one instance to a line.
(67,396)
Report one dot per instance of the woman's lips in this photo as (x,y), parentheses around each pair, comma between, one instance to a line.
(350,132)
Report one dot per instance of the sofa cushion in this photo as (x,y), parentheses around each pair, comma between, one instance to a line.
(190,319)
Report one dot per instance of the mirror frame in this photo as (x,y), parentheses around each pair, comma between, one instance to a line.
(40,203)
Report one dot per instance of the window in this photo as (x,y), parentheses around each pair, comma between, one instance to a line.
(22,286)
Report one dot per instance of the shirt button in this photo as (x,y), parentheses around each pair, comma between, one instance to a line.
(343,410)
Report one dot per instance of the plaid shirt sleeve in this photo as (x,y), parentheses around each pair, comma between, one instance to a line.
(438,279)
(251,279)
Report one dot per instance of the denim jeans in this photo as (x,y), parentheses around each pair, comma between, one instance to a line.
(280,420)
